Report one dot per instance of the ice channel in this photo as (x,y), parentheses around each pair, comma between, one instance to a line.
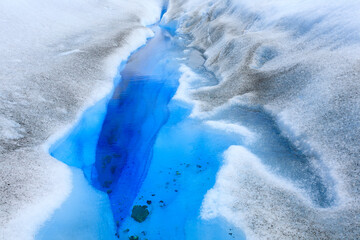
(141,147)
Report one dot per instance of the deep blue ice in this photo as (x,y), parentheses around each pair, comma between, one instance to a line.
(136,113)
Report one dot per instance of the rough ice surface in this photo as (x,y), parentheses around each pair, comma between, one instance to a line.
(297,62)
(56,59)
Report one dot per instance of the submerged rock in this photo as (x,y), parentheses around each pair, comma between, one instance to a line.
(140,213)
(134,238)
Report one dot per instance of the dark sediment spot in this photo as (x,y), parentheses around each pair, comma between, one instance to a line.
(107,184)
(140,213)
(113,169)
(107,159)
(133,238)
(162,204)
(148,202)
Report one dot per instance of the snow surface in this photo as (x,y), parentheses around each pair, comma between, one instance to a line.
(56,59)
(299,61)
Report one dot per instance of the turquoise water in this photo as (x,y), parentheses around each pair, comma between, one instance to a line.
(186,158)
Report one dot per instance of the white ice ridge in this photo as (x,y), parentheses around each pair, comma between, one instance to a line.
(237,192)
(298,60)
(263,204)
(232,128)
(56,59)
(186,89)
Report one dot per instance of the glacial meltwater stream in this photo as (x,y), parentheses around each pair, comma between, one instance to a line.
(139,147)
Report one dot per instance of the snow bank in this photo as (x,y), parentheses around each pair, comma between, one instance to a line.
(56,59)
(298,60)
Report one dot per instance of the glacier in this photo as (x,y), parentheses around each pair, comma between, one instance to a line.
(44,92)
(297,62)
(227,119)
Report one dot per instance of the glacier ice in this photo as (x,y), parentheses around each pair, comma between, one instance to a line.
(43,91)
(297,61)
(274,84)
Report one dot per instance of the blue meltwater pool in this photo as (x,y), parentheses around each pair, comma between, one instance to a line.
(138,149)
(142,166)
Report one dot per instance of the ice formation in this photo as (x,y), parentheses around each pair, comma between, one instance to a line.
(298,61)
(273,84)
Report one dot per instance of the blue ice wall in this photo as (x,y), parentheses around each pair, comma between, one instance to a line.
(136,112)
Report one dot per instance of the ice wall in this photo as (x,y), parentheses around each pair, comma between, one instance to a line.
(56,59)
(299,61)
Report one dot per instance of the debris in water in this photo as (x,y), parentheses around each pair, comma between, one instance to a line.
(140,213)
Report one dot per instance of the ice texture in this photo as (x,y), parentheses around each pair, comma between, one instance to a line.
(298,62)
(283,75)
(56,59)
